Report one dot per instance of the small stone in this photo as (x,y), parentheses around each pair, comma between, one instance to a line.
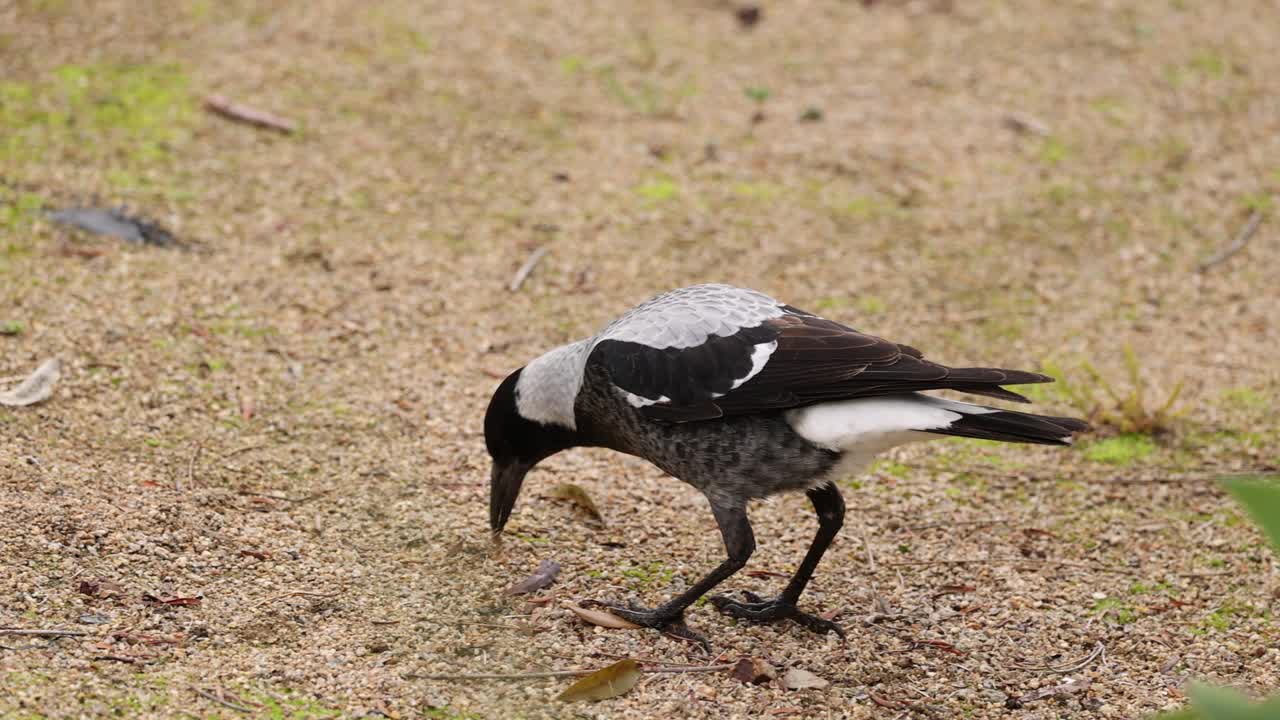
(994,696)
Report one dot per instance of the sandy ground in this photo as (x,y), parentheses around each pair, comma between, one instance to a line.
(283,419)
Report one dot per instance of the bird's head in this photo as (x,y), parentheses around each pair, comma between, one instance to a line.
(516,443)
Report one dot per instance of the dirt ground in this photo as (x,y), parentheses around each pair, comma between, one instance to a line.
(282,418)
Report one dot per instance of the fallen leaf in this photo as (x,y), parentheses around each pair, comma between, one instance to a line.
(797,679)
(174,601)
(1024,124)
(580,498)
(766,574)
(37,386)
(890,703)
(941,645)
(109,589)
(952,590)
(542,577)
(115,223)
(603,684)
(754,671)
(602,618)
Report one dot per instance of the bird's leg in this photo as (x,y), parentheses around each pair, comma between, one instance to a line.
(830,508)
(739,543)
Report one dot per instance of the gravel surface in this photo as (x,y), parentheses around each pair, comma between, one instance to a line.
(260,486)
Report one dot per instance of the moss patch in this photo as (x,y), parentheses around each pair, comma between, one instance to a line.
(1121,450)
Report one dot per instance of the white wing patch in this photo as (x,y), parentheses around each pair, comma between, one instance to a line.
(639,402)
(759,358)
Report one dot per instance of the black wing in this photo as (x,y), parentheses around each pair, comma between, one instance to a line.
(814,360)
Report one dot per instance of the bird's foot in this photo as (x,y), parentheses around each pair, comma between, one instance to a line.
(668,622)
(757,609)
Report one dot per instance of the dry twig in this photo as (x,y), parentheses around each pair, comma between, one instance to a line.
(570,673)
(191,470)
(220,105)
(1099,650)
(298,593)
(527,268)
(953,523)
(242,450)
(866,544)
(1242,238)
(210,696)
(42,633)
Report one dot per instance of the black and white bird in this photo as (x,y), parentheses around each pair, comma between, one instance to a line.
(742,397)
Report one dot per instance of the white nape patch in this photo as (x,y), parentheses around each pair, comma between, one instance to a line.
(548,386)
(639,402)
(864,428)
(759,357)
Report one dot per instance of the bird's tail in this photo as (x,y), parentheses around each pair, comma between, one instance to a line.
(986,423)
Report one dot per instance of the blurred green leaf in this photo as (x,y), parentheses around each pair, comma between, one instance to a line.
(1216,703)
(1262,499)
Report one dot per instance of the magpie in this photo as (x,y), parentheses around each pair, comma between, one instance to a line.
(742,397)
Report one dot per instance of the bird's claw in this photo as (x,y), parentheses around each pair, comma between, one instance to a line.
(666,622)
(757,609)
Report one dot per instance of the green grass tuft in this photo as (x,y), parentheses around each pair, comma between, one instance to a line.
(658,190)
(1125,449)
(92,112)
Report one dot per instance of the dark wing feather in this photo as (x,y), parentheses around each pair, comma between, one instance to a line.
(816,360)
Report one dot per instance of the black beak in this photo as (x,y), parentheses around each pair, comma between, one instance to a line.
(504,487)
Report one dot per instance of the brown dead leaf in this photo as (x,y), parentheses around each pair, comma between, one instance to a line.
(603,684)
(542,577)
(953,590)
(753,671)
(890,703)
(766,574)
(173,601)
(939,644)
(579,497)
(797,679)
(38,385)
(602,618)
(98,587)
